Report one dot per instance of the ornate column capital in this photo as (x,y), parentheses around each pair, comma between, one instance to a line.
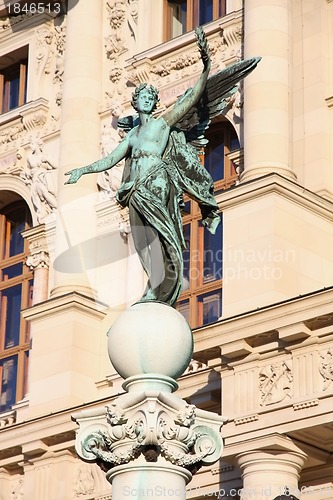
(38,246)
(146,427)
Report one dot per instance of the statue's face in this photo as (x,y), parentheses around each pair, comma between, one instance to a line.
(145,102)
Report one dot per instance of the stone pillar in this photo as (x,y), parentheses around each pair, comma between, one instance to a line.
(38,261)
(267,129)
(79,146)
(269,473)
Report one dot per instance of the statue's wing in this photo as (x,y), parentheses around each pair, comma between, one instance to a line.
(128,122)
(214,100)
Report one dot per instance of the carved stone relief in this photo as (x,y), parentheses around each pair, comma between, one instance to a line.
(177,433)
(195,366)
(11,135)
(109,181)
(84,482)
(120,41)
(326,367)
(44,51)
(39,175)
(275,383)
(7,419)
(17,490)
(6,23)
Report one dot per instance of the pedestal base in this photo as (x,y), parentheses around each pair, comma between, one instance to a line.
(149,441)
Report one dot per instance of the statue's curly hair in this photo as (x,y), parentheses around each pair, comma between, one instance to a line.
(151,89)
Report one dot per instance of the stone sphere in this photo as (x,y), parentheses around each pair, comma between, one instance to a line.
(150,337)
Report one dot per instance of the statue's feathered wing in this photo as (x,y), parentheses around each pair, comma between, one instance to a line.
(213,102)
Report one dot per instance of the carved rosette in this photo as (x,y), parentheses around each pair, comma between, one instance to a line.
(150,427)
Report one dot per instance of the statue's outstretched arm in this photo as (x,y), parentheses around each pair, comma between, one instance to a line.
(120,152)
(182,106)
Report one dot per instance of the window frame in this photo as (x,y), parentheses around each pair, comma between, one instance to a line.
(16,69)
(197,286)
(192,15)
(25,280)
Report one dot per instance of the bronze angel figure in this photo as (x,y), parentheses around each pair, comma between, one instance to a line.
(162,164)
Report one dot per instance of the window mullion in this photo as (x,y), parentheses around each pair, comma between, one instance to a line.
(192,13)
(20,375)
(216,9)
(23,75)
(3,319)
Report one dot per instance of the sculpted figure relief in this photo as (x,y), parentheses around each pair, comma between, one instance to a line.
(38,175)
(161,164)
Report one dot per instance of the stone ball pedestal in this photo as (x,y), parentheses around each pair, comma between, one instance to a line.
(150,345)
(148,441)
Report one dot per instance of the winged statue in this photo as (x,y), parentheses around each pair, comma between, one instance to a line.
(162,164)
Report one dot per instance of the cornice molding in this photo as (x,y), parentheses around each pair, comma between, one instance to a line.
(276,184)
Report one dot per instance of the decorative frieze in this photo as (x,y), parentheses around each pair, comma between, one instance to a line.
(222,470)
(306,404)
(246,420)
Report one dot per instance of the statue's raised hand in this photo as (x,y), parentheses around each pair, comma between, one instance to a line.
(203,46)
(74,174)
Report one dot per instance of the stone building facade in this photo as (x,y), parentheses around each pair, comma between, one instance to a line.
(259,297)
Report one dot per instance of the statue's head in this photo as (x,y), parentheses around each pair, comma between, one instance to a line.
(147,88)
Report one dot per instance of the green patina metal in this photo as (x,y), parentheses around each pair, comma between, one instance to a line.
(162,164)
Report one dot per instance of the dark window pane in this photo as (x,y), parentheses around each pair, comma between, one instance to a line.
(234,142)
(8,375)
(16,240)
(17,221)
(10,308)
(183,307)
(205,11)
(210,305)
(186,257)
(14,89)
(187,208)
(214,159)
(212,255)
(12,271)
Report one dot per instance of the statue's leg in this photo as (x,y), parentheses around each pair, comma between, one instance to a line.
(147,244)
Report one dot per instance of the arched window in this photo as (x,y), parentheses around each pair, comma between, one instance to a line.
(201,299)
(15,295)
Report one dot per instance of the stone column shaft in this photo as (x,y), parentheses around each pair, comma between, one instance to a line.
(270,473)
(266,91)
(79,145)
